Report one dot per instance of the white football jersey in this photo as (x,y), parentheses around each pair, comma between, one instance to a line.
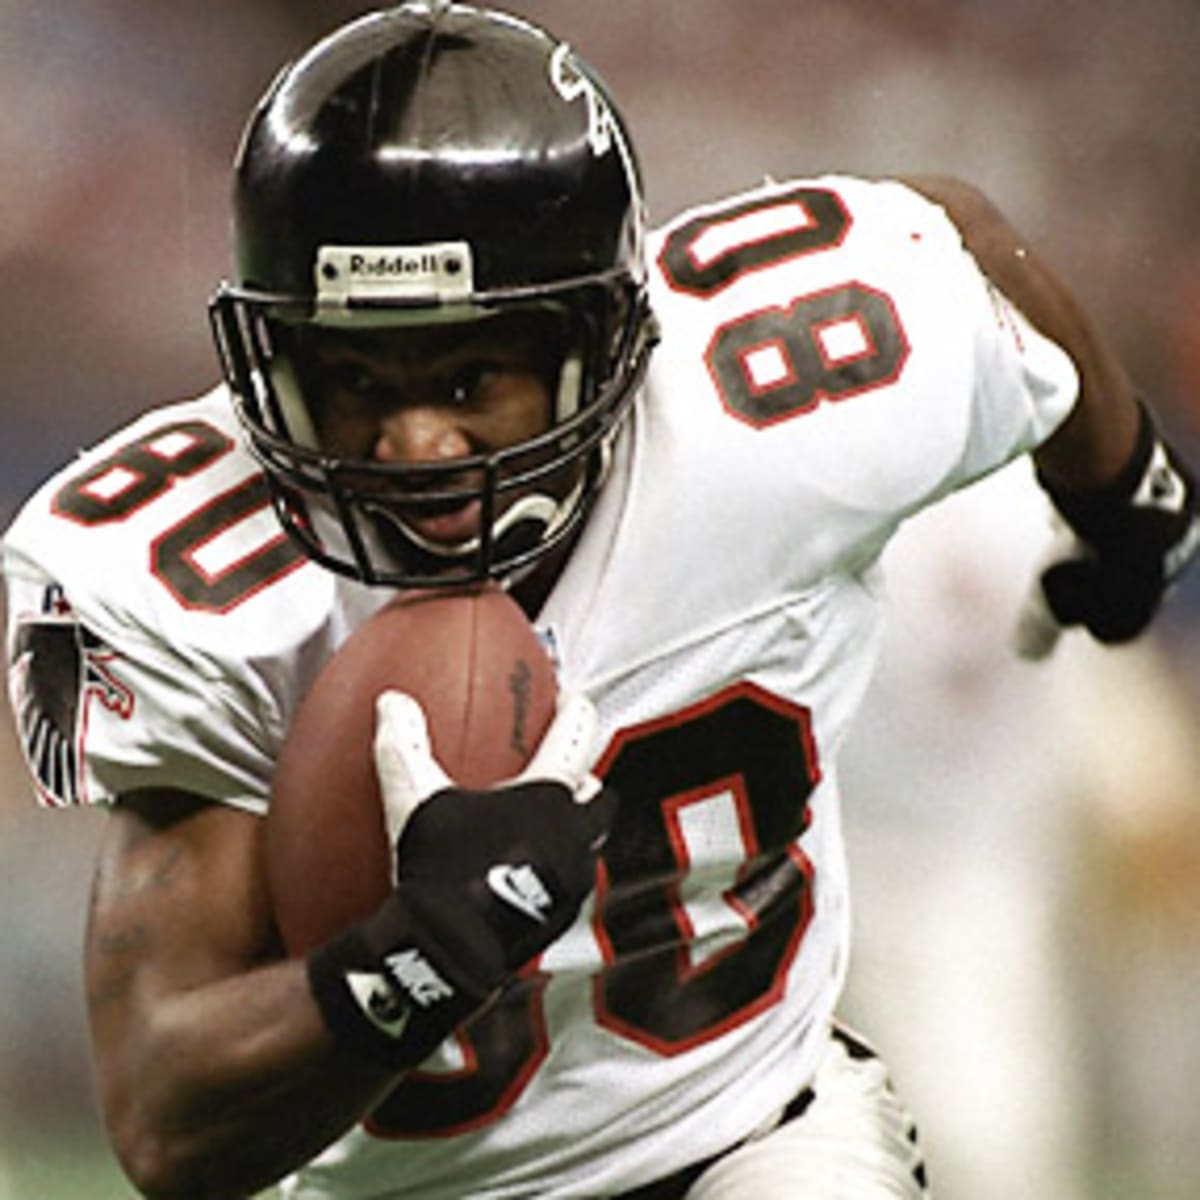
(831,362)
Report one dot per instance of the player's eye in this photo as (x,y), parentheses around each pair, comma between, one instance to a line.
(355,379)
(469,385)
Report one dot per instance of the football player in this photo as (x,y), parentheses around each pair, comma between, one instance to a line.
(453,353)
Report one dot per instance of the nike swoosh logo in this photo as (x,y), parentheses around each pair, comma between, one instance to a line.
(520,888)
(381,1003)
(1161,486)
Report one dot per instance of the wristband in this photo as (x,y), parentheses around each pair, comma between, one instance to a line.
(1145,509)
(1090,513)
(383,996)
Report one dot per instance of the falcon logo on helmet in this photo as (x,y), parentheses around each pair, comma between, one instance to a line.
(570,82)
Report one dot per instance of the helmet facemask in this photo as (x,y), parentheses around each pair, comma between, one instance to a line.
(360,517)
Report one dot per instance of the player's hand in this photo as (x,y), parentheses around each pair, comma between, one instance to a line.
(409,774)
(504,868)
(1131,541)
(484,881)
(1037,628)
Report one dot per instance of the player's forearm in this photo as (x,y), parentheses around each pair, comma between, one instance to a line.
(214,1068)
(230,1086)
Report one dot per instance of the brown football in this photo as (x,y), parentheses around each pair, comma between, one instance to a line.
(488,689)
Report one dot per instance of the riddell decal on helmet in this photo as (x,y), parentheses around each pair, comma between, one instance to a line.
(367,275)
(570,82)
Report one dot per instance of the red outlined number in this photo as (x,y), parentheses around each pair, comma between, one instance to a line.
(743,763)
(775,364)
(781,362)
(137,474)
(499,1050)
(751,754)
(175,557)
(712,251)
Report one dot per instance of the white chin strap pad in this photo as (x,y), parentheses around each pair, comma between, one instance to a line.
(537,507)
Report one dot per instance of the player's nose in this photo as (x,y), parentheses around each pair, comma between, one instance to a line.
(420,434)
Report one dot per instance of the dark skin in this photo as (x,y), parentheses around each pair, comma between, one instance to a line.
(207,1044)
(200,1032)
(412,396)
(434,395)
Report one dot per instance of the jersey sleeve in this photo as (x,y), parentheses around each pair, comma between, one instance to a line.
(832,350)
(101,711)
(1026,385)
(977,365)
(160,627)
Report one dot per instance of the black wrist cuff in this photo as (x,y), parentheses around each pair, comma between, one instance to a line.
(359,1006)
(380,994)
(1096,514)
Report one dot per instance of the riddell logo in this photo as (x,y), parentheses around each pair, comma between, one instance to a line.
(430,273)
(390,266)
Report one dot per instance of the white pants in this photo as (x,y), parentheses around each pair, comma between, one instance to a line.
(855,1141)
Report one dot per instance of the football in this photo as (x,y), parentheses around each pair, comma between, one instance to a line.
(488,689)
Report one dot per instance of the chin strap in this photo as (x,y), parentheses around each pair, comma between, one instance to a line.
(541,515)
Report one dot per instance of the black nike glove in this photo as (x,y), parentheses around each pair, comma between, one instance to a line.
(1137,535)
(485,881)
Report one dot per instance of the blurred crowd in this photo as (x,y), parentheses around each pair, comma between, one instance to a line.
(1027,851)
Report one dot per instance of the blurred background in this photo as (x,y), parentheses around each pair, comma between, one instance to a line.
(1025,841)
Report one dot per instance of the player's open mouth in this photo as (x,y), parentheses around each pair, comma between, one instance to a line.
(448,526)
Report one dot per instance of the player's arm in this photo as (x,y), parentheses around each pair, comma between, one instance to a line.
(1120,487)
(222,1068)
(216,1073)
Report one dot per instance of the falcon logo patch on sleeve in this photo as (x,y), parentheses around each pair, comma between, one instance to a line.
(58,668)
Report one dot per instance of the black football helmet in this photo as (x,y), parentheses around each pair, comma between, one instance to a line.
(428,164)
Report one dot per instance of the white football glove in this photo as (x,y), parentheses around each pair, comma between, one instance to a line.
(409,773)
